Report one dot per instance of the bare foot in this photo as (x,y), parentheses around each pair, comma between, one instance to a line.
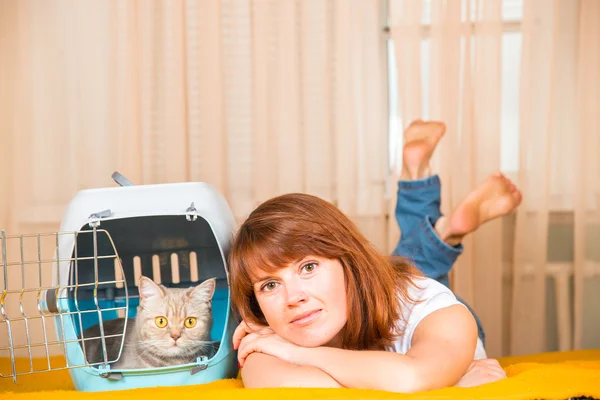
(420,139)
(496,197)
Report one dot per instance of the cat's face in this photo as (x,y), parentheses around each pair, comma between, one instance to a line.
(174,322)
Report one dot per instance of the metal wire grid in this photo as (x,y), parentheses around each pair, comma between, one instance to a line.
(52,301)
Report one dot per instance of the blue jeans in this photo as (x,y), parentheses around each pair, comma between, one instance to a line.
(417,211)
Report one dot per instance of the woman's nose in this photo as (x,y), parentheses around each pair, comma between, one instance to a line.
(295,294)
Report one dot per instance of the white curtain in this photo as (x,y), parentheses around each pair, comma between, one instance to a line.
(560,132)
(257,97)
(587,189)
(450,60)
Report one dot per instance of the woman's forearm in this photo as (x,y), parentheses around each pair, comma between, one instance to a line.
(378,370)
(438,357)
(262,371)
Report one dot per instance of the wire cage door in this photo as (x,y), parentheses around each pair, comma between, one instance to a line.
(45,306)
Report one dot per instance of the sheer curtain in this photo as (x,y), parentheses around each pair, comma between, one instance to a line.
(257,97)
(556,229)
(586,193)
(531,276)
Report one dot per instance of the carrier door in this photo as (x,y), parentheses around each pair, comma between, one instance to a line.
(45,305)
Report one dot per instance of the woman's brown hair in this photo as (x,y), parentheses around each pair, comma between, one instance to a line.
(290,227)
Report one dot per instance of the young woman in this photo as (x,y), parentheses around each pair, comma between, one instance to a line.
(322,308)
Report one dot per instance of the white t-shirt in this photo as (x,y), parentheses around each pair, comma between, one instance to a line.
(432,296)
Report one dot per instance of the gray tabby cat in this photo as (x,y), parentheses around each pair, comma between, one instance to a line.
(172,327)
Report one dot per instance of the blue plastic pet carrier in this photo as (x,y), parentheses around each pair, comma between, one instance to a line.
(177,234)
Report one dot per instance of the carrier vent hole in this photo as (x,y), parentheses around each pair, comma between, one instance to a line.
(174,268)
(118,273)
(156,269)
(193,267)
(137,270)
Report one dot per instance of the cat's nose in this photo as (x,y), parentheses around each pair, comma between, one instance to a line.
(175,335)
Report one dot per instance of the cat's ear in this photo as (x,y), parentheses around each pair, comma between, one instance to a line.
(149,289)
(205,290)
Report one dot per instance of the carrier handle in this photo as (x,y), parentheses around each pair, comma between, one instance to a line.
(120,179)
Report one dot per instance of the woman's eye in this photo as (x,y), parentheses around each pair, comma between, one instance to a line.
(269,286)
(309,267)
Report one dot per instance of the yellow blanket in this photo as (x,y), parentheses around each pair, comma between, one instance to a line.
(547,376)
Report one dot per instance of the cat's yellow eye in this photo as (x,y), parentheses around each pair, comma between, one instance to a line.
(161,322)
(190,322)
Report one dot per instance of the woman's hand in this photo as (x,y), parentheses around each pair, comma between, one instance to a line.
(481,372)
(246,328)
(267,343)
(251,338)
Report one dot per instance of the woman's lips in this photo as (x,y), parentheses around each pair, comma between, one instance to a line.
(306,318)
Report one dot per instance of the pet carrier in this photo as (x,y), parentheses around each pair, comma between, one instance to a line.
(176,234)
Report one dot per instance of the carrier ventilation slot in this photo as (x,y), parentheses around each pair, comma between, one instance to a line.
(173,266)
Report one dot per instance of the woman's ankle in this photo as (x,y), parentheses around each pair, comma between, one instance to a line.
(442,228)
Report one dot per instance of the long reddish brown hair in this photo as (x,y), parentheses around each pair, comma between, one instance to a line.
(290,227)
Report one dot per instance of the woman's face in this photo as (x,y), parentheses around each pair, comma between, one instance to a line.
(305,301)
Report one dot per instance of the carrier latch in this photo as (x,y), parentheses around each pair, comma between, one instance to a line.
(191,214)
(94,219)
(202,365)
(105,373)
